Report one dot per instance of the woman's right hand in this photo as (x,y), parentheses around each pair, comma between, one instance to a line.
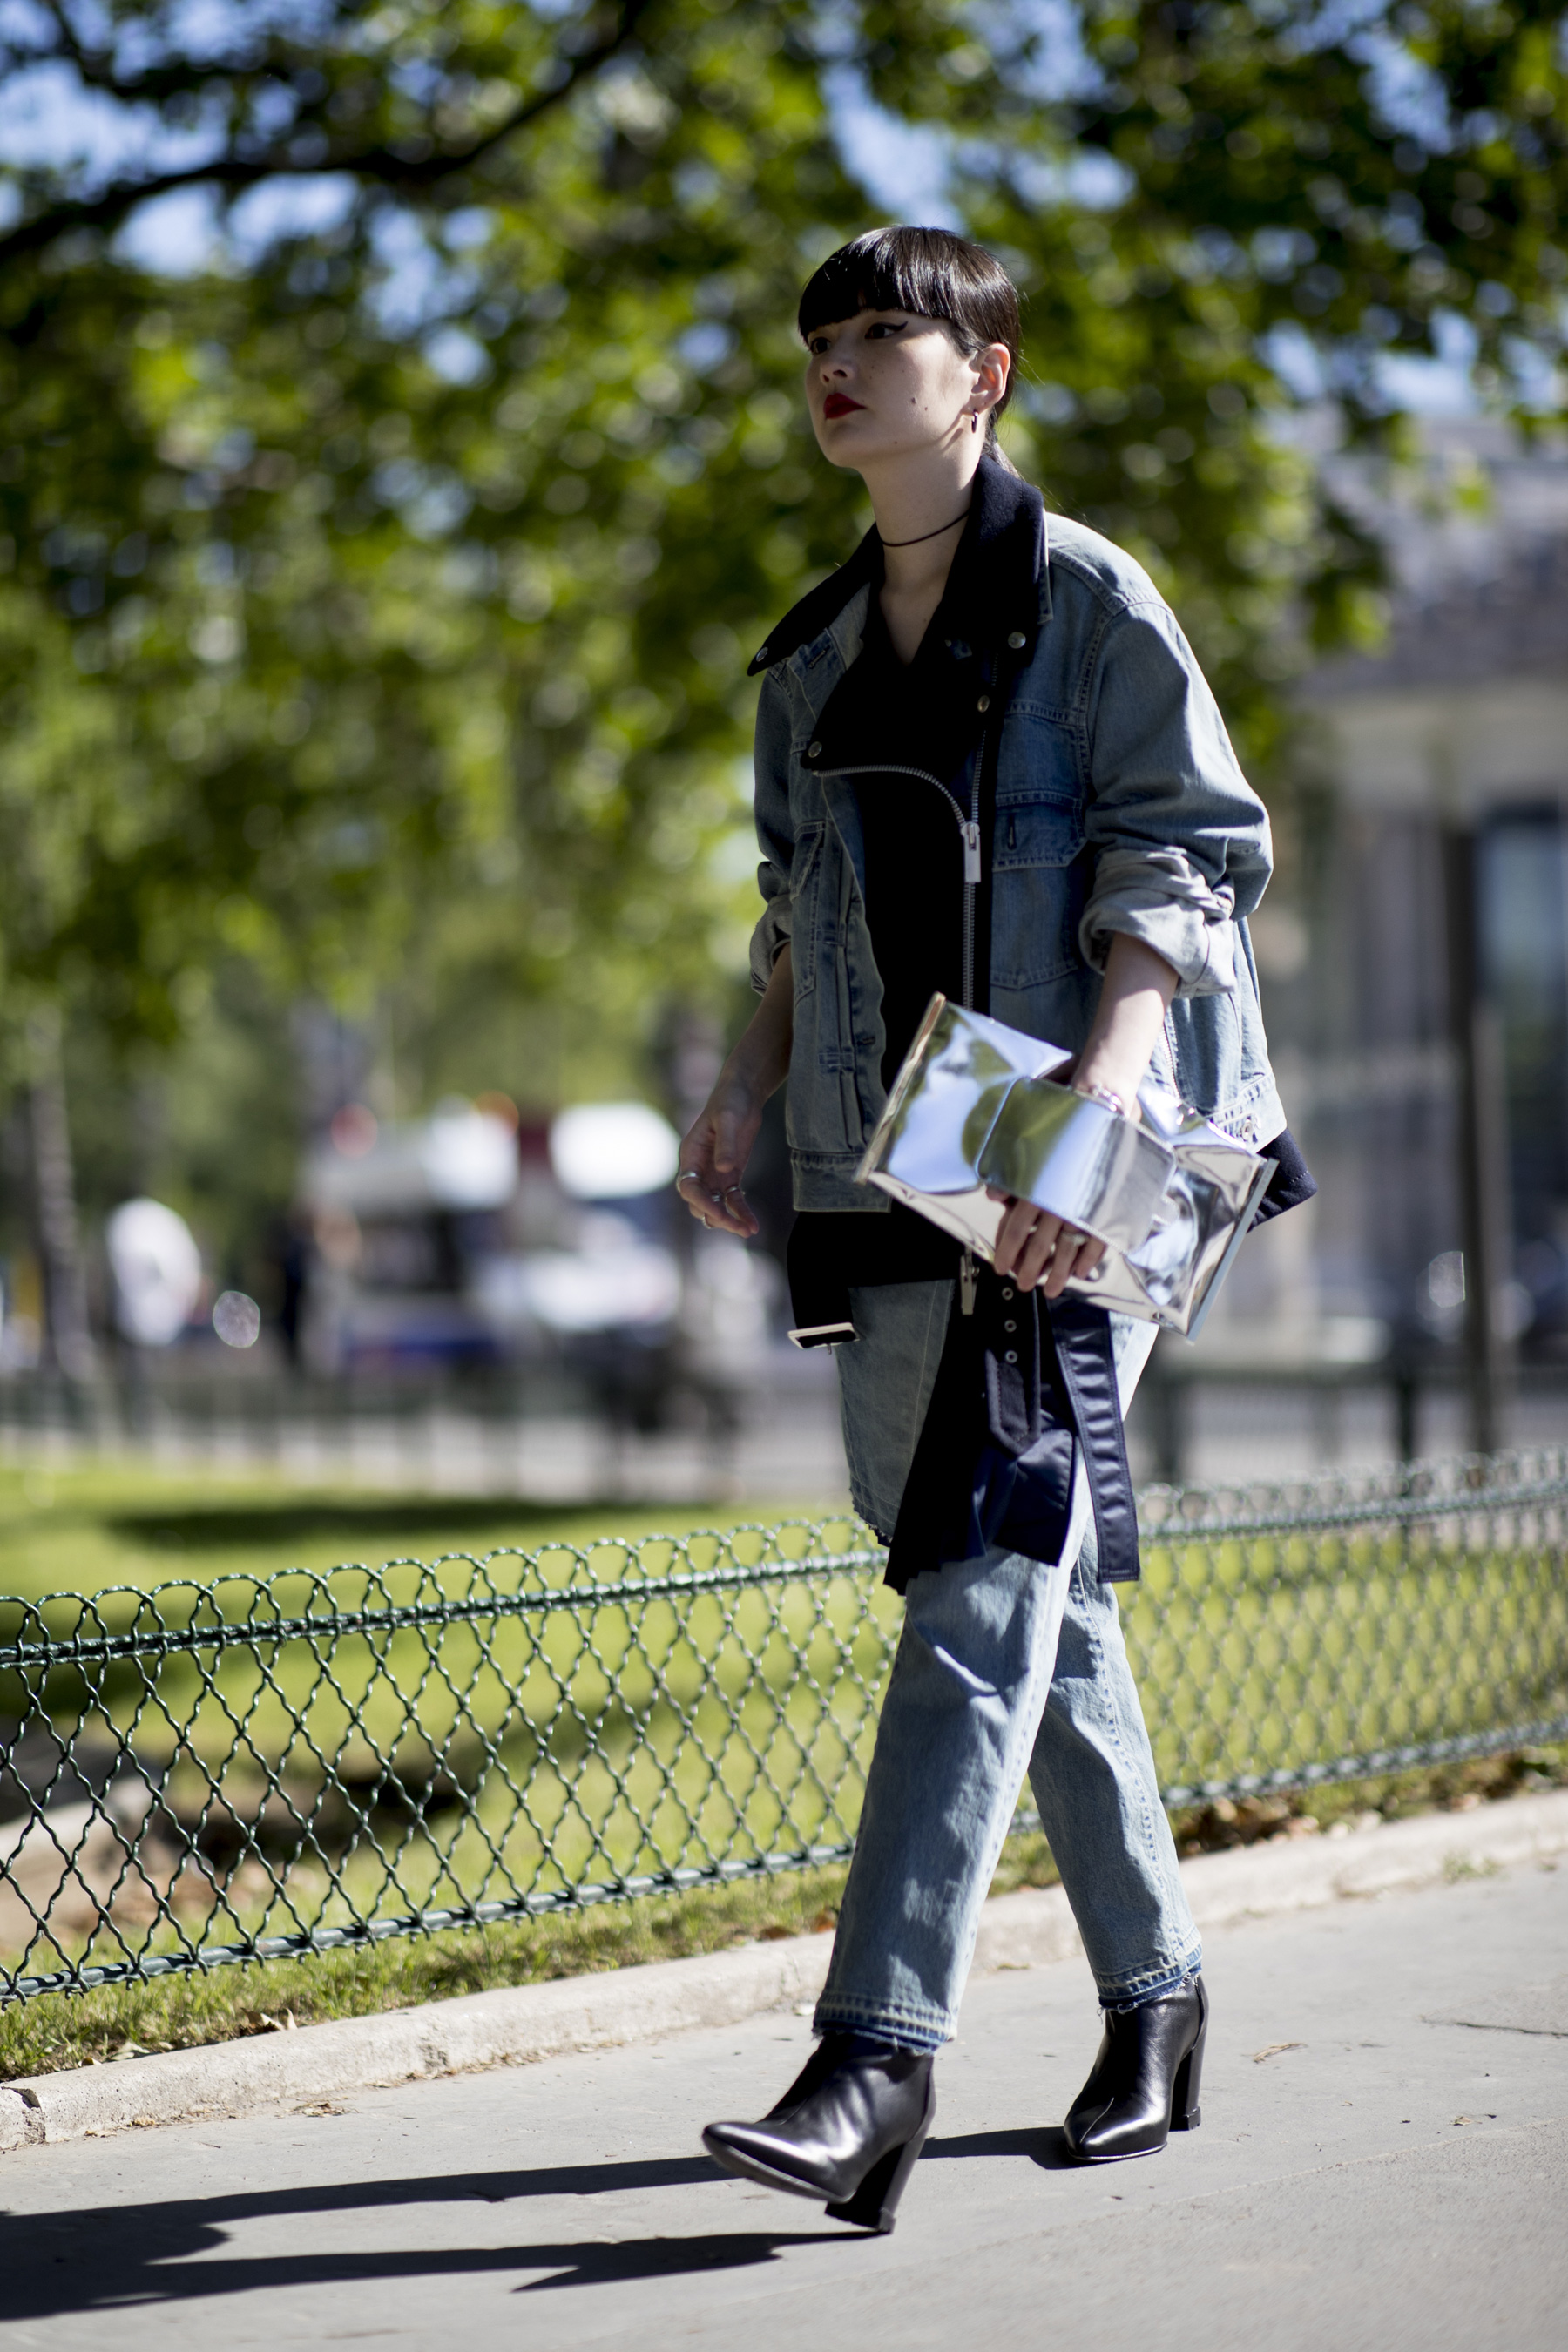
(713,1156)
(718,1141)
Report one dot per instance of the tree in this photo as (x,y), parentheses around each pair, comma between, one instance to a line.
(380,585)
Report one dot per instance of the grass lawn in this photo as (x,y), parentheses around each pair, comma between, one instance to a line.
(79,1529)
(645,1733)
(390,1772)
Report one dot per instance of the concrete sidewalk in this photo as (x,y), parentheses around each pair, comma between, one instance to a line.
(1382,2164)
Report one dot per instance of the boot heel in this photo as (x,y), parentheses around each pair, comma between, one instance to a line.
(876,2202)
(1185,2113)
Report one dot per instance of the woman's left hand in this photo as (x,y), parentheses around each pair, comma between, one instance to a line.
(1033,1246)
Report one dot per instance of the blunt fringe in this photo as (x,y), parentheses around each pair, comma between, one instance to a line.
(932,274)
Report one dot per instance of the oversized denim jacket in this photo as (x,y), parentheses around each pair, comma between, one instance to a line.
(1118,806)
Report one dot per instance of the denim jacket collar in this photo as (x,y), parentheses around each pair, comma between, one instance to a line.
(998,582)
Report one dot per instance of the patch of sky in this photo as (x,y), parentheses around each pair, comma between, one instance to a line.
(174,235)
(1295,359)
(437,511)
(1086,182)
(177,234)
(469,226)
(279,209)
(420,287)
(457,356)
(1538,383)
(904,167)
(24,25)
(834,33)
(1302,31)
(1278,253)
(1408,93)
(705,345)
(49,123)
(206,30)
(1443,385)
(1043,43)
(1223,256)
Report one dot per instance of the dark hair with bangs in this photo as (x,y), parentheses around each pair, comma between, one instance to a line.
(933,275)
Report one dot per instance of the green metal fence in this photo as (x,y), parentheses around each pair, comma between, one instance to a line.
(206,1774)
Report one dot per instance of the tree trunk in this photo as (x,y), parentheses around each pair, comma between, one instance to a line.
(1482,1140)
(67,1341)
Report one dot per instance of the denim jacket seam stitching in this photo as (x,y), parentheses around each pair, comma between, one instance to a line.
(1089,695)
(1084,573)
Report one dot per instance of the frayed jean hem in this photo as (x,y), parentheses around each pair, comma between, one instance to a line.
(920,2033)
(1136,1994)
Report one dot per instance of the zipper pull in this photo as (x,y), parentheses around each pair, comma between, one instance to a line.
(972,852)
(968,1281)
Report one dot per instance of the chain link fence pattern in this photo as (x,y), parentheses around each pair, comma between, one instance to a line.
(199,1775)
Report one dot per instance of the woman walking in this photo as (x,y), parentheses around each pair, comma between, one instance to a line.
(987,763)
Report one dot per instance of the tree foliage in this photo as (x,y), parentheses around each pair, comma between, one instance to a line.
(379,583)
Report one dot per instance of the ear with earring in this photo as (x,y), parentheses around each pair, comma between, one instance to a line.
(974,420)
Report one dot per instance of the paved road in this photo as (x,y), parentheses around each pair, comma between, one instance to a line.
(1369,2174)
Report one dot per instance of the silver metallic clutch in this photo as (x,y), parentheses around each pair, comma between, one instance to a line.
(975,1104)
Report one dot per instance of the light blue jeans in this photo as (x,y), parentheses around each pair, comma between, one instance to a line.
(1005,1664)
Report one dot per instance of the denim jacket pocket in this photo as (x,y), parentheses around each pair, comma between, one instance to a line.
(1038,755)
(1038,891)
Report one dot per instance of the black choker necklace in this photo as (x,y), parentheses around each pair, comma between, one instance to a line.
(926,534)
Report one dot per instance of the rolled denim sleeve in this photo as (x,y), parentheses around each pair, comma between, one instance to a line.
(775,833)
(1181,840)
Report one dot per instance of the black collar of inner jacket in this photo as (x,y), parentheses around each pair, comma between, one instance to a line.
(927,718)
(993,589)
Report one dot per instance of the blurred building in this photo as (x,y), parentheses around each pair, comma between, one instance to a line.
(1415,953)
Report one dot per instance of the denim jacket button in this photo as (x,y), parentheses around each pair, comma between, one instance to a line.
(762,653)
(1016,639)
(984,703)
(812,749)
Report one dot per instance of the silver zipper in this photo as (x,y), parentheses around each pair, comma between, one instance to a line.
(969,835)
(969,831)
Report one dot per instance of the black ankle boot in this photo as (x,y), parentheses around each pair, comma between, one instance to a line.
(1144,2084)
(847,2130)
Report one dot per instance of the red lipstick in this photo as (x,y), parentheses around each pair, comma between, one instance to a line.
(839,403)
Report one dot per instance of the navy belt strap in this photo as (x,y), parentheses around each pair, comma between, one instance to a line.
(1024,1384)
(1088,1362)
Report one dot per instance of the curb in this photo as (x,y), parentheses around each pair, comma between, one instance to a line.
(1300,1873)
(320,2063)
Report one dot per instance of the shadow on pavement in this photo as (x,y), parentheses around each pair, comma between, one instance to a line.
(1042,2144)
(642,2258)
(95,2259)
